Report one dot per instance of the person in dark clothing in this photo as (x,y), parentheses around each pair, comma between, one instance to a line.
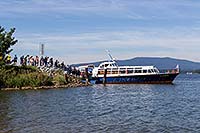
(78,73)
(26,60)
(15,60)
(36,60)
(51,62)
(22,60)
(41,61)
(46,61)
(62,65)
(56,63)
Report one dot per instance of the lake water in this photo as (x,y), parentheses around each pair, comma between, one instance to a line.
(98,108)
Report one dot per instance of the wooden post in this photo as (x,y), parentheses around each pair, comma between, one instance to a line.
(66,77)
(104,76)
(86,76)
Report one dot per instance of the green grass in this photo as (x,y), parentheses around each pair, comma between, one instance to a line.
(23,76)
(59,79)
(33,79)
(29,76)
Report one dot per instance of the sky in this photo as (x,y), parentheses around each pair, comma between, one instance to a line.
(78,31)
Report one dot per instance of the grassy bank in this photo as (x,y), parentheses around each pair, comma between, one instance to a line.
(28,76)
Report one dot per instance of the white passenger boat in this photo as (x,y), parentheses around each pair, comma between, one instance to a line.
(110,73)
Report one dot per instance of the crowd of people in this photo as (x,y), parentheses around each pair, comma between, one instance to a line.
(43,62)
(29,60)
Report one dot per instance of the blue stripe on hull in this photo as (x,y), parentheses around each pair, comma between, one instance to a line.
(140,79)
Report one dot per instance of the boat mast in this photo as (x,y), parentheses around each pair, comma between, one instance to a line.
(111,57)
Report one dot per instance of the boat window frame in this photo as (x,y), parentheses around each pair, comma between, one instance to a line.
(149,71)
(122,70)
(138,71)
(130,70)
(144,71)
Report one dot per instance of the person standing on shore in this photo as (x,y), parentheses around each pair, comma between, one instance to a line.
(15,60)
(36,60)
(31,60)
(26,60)
(62,65)
(8,59)
(56,64)
(51,62)
(46,61)
(22,60)
(41,61)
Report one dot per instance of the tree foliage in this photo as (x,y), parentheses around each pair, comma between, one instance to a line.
(6,41)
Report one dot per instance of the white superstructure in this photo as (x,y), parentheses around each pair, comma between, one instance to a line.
(114,70)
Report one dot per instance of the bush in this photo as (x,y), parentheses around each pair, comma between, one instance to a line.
(14,76)
(34,79)
(59,79)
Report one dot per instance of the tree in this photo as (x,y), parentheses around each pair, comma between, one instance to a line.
(6,41)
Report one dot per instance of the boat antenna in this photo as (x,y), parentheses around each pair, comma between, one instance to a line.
(111,58)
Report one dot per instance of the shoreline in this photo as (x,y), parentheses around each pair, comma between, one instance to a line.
(70,85)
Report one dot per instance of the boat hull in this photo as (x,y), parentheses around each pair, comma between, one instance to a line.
(138,79)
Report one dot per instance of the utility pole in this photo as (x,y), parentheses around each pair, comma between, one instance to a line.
(41,49)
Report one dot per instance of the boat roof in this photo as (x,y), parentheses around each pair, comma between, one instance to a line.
(136,67)
(108,62)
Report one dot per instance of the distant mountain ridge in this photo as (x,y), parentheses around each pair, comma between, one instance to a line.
(161,63)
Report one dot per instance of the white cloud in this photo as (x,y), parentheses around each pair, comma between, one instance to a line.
(87,47)
(161,38)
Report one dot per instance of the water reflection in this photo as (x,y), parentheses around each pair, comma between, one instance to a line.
(5,111)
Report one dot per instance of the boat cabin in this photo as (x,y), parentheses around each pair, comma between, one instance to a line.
(113,69)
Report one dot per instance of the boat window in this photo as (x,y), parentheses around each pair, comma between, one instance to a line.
(102,66)
(129,70)
(114,71)
(149,71)
(108,69)
(144,71)
(101,72)
(122,71)
(106,65)
(138,71)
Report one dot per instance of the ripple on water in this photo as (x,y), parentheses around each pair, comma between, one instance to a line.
(111,108)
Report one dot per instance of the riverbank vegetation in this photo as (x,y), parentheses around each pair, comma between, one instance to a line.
(19,76)
(32,77)
(12,76)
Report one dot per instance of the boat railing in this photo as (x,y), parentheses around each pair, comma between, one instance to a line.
(125,71)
